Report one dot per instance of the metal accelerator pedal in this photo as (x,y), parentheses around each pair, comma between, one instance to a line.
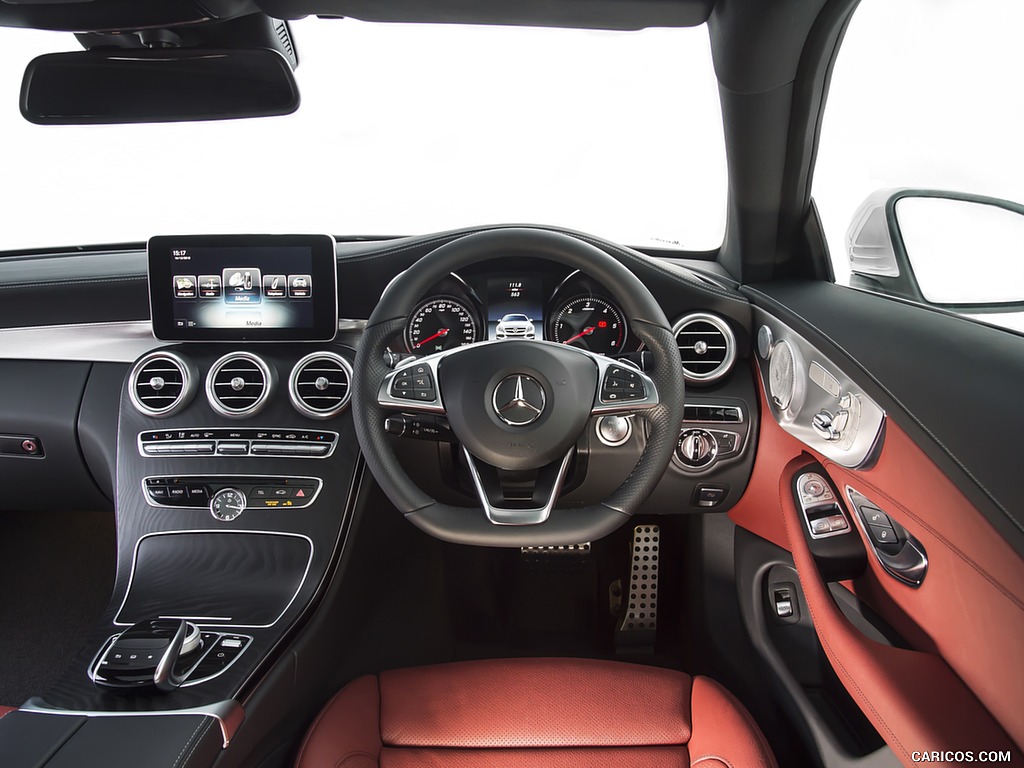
(638,628)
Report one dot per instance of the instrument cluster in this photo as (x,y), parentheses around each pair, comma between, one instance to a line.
(531,305)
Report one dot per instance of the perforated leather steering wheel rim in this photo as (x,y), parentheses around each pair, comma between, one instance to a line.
(469,525)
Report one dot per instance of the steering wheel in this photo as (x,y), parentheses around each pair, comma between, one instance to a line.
(517,404)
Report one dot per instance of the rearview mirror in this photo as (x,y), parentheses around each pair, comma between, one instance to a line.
(157,86)
(957,251)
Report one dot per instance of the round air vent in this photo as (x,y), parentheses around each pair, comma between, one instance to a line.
(238,385)
(161,384)
(320,385)
(707,347)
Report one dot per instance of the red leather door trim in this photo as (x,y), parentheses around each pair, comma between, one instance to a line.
(967,618)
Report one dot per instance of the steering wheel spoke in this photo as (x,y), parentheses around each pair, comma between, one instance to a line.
(527,505)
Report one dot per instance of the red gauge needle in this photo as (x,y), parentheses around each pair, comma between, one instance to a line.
(585,332)
(440,334)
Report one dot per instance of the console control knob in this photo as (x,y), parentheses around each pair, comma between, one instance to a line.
(227,504)
(697,448)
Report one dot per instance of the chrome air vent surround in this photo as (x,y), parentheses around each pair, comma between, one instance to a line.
(320,385)
(707,347)
(238,385)
(161,384)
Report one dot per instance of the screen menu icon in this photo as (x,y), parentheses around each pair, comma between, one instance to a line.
(275,286)
(242,285)
(209,287)
(184,286)
(300,286)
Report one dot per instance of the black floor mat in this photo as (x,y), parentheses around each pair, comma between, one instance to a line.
(435,602)
(58,570)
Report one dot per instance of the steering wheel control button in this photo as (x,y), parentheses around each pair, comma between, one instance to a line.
(697,449)
(519,400)
(622,384)
(227,504)
(414,383)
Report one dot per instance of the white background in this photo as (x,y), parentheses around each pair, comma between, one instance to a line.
(401,130)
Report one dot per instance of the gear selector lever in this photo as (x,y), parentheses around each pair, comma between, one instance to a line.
(147,653)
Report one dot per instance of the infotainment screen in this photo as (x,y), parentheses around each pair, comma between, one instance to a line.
(243,288)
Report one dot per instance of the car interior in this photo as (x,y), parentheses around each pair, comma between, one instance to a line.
(509,494)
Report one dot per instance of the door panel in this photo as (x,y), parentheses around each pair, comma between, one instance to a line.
(958,687)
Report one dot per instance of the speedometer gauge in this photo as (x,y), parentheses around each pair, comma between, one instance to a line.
(438,324)
(590,323)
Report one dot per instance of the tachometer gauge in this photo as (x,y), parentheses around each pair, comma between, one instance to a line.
(590,323)
(440,323)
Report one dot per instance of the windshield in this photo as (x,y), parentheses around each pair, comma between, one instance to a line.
(402,129)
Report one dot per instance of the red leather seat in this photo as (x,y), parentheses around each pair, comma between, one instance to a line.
(534,713)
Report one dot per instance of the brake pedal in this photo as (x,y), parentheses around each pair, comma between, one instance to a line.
(638,628)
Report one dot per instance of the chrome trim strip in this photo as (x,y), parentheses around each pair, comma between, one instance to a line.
(186,478)
(293,382)
(215,532)
(228,714)
(119,342)
(506,516)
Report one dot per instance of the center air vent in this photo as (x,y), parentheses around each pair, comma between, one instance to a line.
(320,385)
(161,384)
(707,347)
(238,385)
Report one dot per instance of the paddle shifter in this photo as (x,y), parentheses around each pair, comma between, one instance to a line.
(147,654)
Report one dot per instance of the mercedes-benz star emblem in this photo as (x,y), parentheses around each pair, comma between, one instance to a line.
(519,400)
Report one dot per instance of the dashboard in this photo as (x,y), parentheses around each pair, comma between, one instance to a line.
(232,440)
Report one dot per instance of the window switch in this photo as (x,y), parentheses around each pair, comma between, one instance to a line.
(782,601)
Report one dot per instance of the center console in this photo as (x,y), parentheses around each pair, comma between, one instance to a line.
(237,466)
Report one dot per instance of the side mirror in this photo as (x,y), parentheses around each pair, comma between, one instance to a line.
(961,252)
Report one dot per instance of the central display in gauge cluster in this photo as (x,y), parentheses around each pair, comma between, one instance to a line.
(515,307)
